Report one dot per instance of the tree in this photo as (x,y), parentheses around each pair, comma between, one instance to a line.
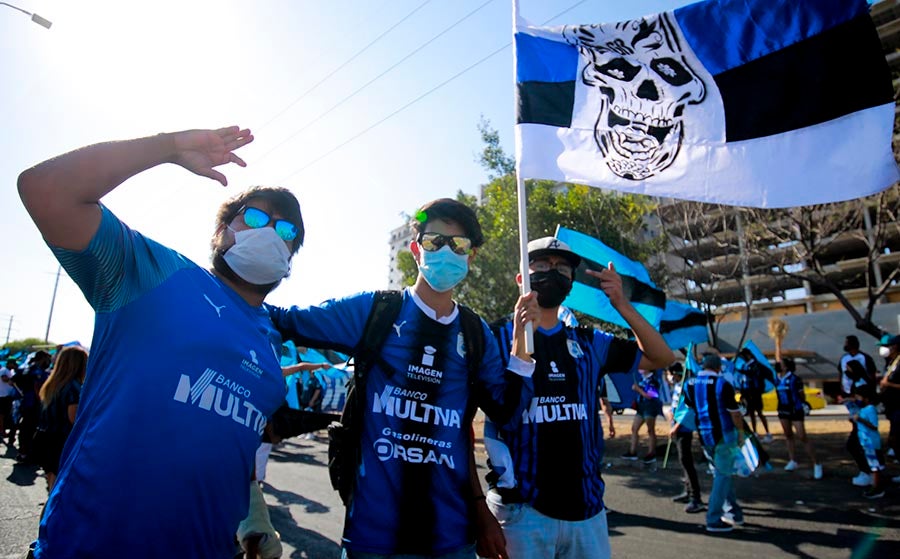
(703,255)
(616,219)
(834,248)
(827,249)
(27,344)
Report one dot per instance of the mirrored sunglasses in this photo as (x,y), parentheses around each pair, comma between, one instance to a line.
(255,218)
(435,241)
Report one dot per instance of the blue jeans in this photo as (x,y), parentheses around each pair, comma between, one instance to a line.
(722,496)
(467,552)
(532,535)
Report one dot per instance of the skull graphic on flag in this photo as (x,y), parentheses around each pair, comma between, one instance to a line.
(645,81)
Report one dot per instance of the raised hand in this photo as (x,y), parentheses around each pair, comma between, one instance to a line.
(199,151)
(610,283)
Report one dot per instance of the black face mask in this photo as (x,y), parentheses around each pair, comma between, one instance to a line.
(552,288)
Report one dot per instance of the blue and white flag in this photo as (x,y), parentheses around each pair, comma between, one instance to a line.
(739,363)
(682,325)
(691,365)
(586,295)
(763,103)
(618,390)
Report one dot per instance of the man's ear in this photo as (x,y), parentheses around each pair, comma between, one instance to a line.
(472,256)
(415,250)
(519,279)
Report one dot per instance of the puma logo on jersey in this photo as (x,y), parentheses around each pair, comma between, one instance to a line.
(218,308)
(397,327)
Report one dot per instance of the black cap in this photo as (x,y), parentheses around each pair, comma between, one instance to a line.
(547,246)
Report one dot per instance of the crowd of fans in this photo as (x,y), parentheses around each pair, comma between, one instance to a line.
(38,404)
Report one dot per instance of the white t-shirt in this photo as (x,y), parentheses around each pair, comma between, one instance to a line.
(6,388)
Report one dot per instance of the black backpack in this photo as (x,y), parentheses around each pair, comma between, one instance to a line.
(344,453)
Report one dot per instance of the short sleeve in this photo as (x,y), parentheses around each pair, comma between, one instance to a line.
(728,400)
(118,265)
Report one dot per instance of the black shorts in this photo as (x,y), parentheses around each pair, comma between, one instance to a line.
(6,406)
(753,401)
(791,414)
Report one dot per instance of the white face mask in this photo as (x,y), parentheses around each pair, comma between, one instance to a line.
(258,256)
(884,351)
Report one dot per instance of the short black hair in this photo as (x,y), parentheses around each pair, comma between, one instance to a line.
(281,199)
(853,341)
(789,364)
(676,368)
(447,209)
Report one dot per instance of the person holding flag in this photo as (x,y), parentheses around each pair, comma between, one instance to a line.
(720,424)
(546,488)
(684,437)
(756,375)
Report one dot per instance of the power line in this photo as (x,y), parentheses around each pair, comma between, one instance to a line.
(373,80)
(419,98)
(344,64)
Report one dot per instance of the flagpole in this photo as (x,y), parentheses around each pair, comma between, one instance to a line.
(523,254)
(521,197)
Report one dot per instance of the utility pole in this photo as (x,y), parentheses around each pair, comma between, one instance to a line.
(9,328)
(52,303)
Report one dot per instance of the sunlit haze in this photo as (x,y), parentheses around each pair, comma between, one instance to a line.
(111,70)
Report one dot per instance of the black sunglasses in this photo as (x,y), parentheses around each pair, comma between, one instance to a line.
(435,241)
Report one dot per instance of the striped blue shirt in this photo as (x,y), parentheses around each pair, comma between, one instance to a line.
(712,398)
(790,393)
(555,452)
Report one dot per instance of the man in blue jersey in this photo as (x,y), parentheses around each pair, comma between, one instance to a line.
(414,493)
(721,429)
(151,440)
(547,491)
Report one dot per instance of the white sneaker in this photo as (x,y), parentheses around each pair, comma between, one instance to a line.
(890,452)
(790,466)
(817,471)
(768,438)
(862,480)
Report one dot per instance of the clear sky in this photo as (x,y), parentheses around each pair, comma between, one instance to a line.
(109,69)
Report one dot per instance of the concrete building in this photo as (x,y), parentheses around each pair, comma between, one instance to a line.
(399,242)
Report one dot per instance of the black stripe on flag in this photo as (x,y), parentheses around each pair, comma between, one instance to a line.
(834,73)
(548,103)
(687,321)
(633,288)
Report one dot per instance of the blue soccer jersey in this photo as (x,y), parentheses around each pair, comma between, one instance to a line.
(556,450)
(412,486)
(712,398)
(181,377)
(790,393)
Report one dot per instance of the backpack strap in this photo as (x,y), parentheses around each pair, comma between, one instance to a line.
(384,311)
(473,338)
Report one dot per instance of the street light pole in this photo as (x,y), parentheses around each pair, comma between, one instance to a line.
(46,23)
(52,303)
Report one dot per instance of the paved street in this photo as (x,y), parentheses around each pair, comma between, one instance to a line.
(788,514)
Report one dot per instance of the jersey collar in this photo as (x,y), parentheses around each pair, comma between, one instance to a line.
(430,313)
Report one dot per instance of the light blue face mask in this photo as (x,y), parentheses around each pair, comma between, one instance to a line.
(443,269)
